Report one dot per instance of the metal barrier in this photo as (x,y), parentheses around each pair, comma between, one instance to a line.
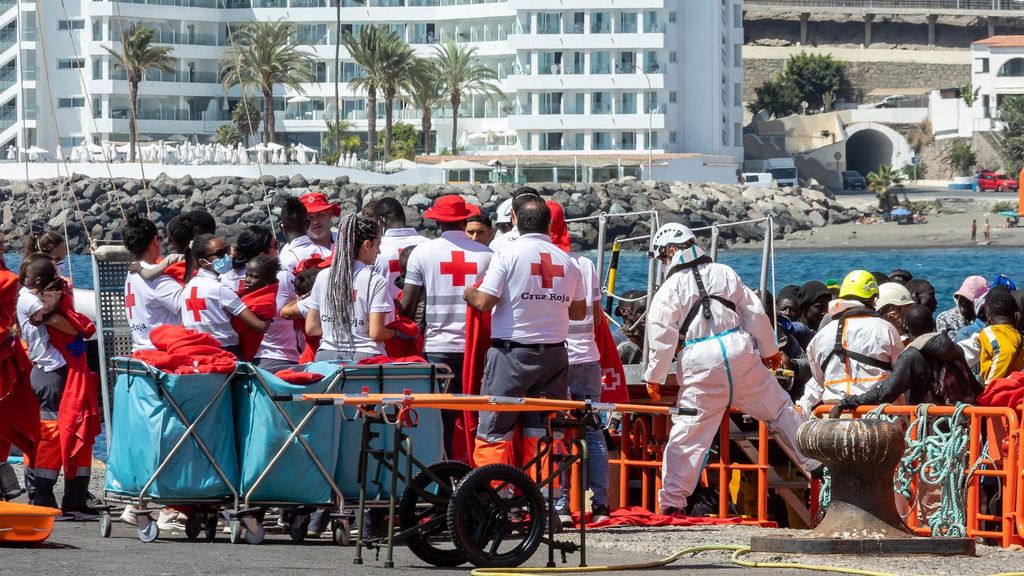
(110,265)
(995,424)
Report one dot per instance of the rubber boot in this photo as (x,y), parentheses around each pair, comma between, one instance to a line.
(42,491)
(76,494)
(9,487)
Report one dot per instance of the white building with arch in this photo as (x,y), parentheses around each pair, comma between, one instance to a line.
(997,71)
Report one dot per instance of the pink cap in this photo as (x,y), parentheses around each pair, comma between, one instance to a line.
(973,288)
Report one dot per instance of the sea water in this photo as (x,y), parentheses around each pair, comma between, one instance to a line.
(945,268)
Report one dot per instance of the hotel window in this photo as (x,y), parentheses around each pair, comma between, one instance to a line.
(70,63)
(600,23)
(76,102)
(601,103)
(601,141)
(71,25)
(548,23)
(97,30)
(627,141)
(627,23)
(601,63)
(627,104)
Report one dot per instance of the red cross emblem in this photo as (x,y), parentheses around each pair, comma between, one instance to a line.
(129,301)
(458,268)
(547,270)
(394,267)
(195,304)
(610,379)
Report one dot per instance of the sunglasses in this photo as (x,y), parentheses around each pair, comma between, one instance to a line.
(218,254)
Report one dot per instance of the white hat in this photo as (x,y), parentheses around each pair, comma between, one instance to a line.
(672,233)
(893,294)
(504,215)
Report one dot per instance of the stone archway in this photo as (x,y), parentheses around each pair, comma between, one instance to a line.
(869,145)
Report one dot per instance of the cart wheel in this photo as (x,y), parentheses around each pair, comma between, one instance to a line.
(496,516)
(236,531)
(424,503)
(299,527)
(253,530)
(147,529)
(340,532)
(105,524)
(210,526)
(194,526)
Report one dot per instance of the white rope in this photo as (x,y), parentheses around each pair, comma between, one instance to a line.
(606,292)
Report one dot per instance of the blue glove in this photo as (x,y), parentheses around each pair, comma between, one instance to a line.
(402,335)
(78,347)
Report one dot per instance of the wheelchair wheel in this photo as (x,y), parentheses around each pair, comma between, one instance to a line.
(496,516)
(424,503)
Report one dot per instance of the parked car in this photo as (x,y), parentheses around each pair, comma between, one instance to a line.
(988,181)
(894,101)
(852,180)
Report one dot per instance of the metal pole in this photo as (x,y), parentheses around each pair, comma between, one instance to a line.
(765,259)
(652,270)
(602,229)
(715,235)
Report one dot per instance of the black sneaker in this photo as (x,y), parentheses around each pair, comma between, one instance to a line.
(565,519)
(84,514)
(600,513)
(671,511)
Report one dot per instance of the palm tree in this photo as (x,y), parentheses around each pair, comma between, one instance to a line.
(462,74)
(368,50)
(337,72)
(246,116)
(137,55)
(425,91)
(262,55)
(396,61)
(881,183)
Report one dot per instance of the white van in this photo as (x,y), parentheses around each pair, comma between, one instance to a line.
(758,179)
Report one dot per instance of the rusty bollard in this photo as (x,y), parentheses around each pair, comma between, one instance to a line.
(862,455)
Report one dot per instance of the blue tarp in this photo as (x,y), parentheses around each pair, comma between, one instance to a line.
(261,431)
(146,429)
(900,212)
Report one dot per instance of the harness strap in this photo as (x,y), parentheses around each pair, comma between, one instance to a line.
(842,353)
(704,307)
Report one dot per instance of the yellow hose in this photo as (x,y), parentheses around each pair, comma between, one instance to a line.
(736,550)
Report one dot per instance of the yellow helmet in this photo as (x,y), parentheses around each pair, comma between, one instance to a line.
(859,284)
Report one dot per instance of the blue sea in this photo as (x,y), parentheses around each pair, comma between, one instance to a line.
(945,268)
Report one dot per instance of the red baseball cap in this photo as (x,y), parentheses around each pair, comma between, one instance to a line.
(449,208)
(315,202)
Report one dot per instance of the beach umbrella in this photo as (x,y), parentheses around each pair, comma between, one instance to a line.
(298,99)
(12,153)
(273,146)
(1009,214)
(76,155)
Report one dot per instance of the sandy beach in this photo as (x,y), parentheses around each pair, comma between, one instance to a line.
(949,229)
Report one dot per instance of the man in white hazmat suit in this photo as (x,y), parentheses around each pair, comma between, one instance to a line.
(727,346)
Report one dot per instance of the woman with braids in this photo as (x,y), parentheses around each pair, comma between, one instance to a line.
(208,305)
(53,245)
(350,304)
(256,240)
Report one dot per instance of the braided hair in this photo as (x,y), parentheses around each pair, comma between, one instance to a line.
(353,230)
(44,243)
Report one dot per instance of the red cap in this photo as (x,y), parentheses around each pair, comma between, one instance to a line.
(316,202)
(449,208)
(474,210)
(559,230)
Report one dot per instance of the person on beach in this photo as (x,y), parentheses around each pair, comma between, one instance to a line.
(949,322)
(987,231)
(181,230)
(439,270)
(264,279)
(208,305)
(256,240)
(148,302)
(397,236)
(510,237)
(350,305)
(856,350)
(729,352)
(318,239)
(974,231)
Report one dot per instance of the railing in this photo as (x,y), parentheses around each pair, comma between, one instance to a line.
(655,28)
(8,116)
(8,78)
(6,5)
(173,37)
(159,76)
(973,5)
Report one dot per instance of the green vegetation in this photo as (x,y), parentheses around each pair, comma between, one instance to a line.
(1011,116)
(816,79)
(882,182)
(462,75)
(227,135)
(404,140)
(246,116)
(961,157)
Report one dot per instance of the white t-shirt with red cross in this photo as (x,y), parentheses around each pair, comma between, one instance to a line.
(391,245)
(581,343)
(151,303)
(208,306)
(234,279)
(301,249)
(370,295)
(507,239)
(535,282)
(444,267)
(280,342)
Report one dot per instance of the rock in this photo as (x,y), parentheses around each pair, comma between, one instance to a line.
(131,187)
(816,219)
(92,192)
(298,181)
(186,180)
(419,201)
(57,222)
(617,208)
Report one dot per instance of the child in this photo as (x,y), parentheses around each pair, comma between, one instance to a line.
(261,272)
(267,292)
(208,305)
(1000,341)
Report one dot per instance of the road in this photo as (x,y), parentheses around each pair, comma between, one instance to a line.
(76,549)
(923,193)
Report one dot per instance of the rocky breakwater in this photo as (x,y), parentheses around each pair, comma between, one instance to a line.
(92,208)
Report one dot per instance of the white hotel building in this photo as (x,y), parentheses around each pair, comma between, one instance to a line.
(579,76)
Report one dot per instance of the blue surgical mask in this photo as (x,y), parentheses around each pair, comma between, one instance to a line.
(222,265)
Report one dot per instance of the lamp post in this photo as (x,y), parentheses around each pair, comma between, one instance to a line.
(650,124)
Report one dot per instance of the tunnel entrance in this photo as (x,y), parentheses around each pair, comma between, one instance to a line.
(868,149)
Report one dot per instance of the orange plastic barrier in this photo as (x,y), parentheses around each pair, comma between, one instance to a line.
(1001,426)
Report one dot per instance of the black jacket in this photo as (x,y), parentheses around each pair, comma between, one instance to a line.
(932,370)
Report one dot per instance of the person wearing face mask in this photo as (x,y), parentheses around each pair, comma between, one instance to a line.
(728,349)
(53,245)
(256,240)
(207,304)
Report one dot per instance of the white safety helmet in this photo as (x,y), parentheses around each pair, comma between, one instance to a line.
(671,233)
(893,294)
(504,215)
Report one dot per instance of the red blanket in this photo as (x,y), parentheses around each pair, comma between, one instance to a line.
(411,345)
(392,360)
(78,420)
(636,516)
(613,377)
(293,376)
(263,303)
(1003,392)
(176,271)
(478,340)
(183,351)
(19,409)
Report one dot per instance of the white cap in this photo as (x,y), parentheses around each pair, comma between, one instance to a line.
(672,233)
(504,215)
(893,294)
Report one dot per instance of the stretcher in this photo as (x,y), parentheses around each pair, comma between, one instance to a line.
(25,524)
(449,513)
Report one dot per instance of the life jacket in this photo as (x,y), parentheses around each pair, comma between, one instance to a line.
(704,307)
(842,353)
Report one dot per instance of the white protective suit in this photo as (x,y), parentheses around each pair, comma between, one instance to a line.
(719,366)
(870,336)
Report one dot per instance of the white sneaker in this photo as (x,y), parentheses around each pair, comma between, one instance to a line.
(128,515)
(171,520)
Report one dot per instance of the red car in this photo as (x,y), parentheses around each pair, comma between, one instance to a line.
(988,181)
